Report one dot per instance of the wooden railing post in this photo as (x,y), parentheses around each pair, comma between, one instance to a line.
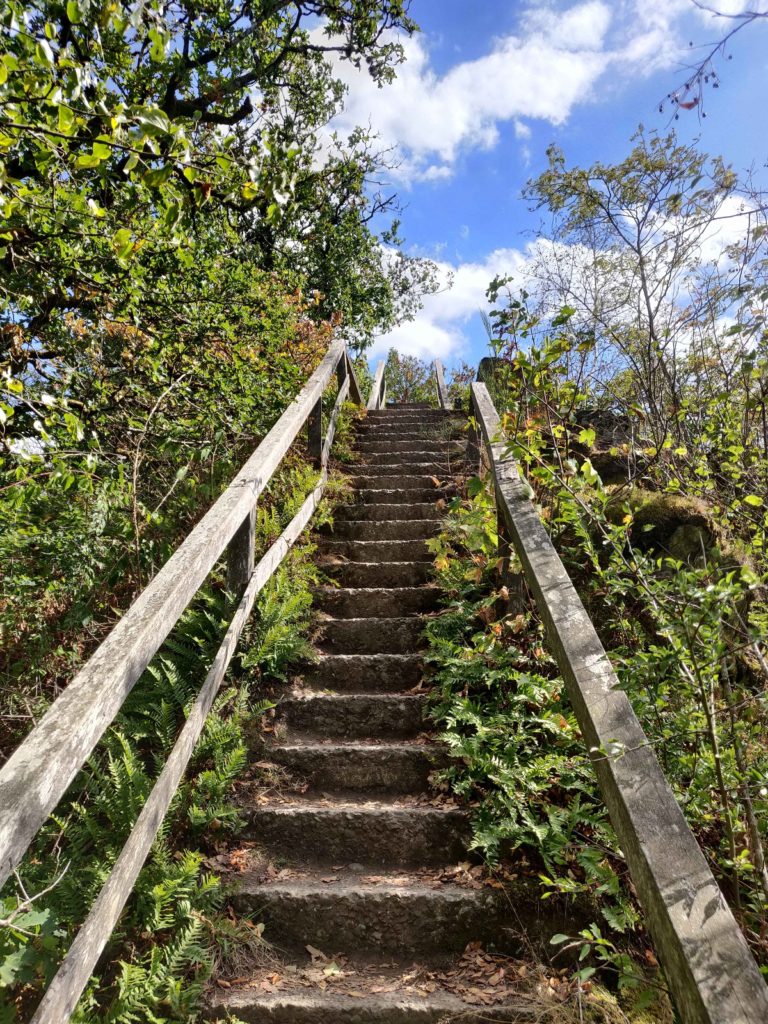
(377,388)
(241,555)
(315,434)
(474,441)
(442,392)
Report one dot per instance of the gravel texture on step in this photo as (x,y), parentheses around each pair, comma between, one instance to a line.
(400,635)
(385,529)
(395,767)
(373,513)
(255,1007)
(372,575)
(392,495)
(366,673)
(375,481)
(379,602)
(394,463)
(401,917)
(375,834)
(435,445)
(354,716)
(375,550)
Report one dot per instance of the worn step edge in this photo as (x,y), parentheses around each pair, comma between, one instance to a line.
(255,1007)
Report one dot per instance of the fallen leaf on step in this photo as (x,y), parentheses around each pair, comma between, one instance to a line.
(330,878)
(316,954)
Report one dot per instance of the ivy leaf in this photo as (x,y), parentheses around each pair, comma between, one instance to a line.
(754,500)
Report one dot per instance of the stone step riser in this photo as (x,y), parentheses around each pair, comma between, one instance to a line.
(376,551)
(423,922)
(366,575)
(395,474)
(253,1007)
(384,768)
(404,495)
(366,673)
(435,432)
(433,445)
(356,603)
(371,636)
(354,717)
(378,513)
(393,529)
(327,835)
(392,478)
(404,461)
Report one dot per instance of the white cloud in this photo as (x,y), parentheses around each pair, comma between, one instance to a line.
(429,119)
(553,63)
(438,329)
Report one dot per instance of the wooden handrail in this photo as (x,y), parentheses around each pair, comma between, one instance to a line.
(65,989)
(442,391)
(378,396)
(38,773)
(711,973)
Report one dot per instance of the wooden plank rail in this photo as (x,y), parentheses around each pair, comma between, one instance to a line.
(38,773)
(442,391)
(711,973)
(378,397)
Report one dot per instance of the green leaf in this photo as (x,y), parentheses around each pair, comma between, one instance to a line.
(73,12)
(754,500)
(558,939)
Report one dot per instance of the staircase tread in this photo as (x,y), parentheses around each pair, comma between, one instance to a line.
(438,883)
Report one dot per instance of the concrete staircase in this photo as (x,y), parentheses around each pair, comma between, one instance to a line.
(359,889)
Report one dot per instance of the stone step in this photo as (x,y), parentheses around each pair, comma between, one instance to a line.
(355,716)
(384,432)
(404,495)
(380,602)
(375,550)
(389,529)
(392,457)
(376,480)
(369,832)
(365,673)
(402,767)
(419,416)
(435,446)
(375,513)
(400,916)
(395,466)
(254,1005)
(400,635)
(367,575)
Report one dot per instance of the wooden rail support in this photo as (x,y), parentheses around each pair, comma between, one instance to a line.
(315,434)
(378,389)
(710,970)
(442,392)
(241,555)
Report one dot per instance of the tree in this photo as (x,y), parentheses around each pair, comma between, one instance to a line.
(409,379)
(627,253)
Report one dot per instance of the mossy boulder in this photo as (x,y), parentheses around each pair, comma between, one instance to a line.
(671,525)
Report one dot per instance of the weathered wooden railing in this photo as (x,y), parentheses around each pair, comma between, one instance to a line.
(37,775)
(378,396)
(709,968)
(442,391)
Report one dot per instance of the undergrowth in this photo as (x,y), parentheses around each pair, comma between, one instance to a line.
(518,754)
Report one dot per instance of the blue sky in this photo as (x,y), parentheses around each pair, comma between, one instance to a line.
(489,84)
